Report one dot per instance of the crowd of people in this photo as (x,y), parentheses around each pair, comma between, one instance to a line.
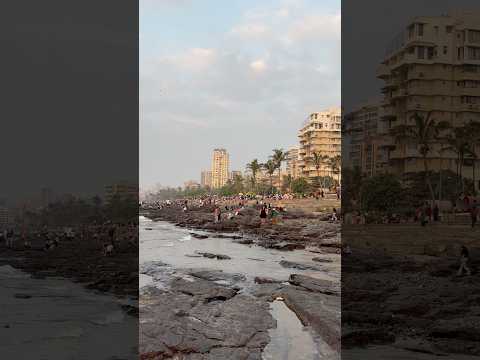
(108,237)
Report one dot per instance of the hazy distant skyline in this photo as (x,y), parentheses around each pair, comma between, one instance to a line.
(242,75)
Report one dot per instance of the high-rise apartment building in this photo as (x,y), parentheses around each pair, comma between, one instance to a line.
(320,133)
(432,67)
(220,168)
(365,132)
(206,178)
(293,168)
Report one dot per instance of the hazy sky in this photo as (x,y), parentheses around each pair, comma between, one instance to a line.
(239,74)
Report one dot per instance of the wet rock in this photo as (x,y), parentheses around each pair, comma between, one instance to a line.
(206,290)
(294,265)
(245,242)
(315,285)
(287,246)
(266,280)
(214,256)
(199,236)
(322,260)
(363,337)
(22,296)
(320,311)
(233,329)
(152,267)
(217,275)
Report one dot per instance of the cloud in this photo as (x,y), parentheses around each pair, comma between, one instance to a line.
(258,66)
(316,27)
(266,71)
(251,30)
(193,59)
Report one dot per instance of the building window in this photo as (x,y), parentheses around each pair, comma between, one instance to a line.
(421,52)
(445,50)
(420,29)
(436,31)
(449,29)
(474,36)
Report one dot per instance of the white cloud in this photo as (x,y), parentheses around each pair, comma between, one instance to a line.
(194,59)
(258,66)
(251,30)
(317,26)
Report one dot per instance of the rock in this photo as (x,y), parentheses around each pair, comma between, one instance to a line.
(315,285)
(22,296)
(287,246)
(206,290)
(233,329)
(363,337)
(245,242)
(322,260)
(320,311)
(266,280)
(217,275)
(294,265)
(151,267)
(214,256)
(199,236)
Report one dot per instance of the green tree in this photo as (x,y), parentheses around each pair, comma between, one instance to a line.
(381,193)
(270,166)
(278,157)
(317,160)
(335,164)
(254,166)
(424,134)
(300,186)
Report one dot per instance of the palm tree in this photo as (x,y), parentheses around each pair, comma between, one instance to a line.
(287,182)
(254,166)
(335,164)
(317,160)
(270,166)
(458,143)
(473,137)
(278,157)
(424,134)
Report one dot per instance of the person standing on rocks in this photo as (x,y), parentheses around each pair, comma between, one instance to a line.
(474,213)
(464,260)
(263,215)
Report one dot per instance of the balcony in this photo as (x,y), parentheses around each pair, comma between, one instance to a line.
(382,72)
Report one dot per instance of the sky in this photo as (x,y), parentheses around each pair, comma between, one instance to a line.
(239,74)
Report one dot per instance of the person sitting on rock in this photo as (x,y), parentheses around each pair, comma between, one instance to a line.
(108,249)
(464,260)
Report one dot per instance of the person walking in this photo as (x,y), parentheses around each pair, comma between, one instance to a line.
(436,213)
(464,260)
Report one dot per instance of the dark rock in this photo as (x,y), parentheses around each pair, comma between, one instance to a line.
(315,285)
(322,260)
(266,280)
(199,236)
(22,296)
(294,265)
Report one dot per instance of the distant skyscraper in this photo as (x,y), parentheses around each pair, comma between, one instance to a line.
(292,162)
(220,168)
(206,178)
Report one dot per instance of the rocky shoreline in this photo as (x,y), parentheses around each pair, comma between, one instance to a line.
(209,314)
(81,262)
(408,295)
(296,229)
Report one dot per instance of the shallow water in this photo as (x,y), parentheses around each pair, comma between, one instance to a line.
(392,353)
(170,245)
(61,320)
